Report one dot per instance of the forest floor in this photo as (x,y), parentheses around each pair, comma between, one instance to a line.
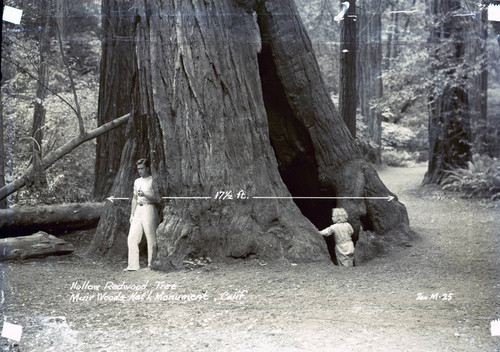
(440,294)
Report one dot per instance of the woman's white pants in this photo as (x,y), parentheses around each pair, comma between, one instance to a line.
(145,220)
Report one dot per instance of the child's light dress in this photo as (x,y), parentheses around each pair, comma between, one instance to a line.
(344,247)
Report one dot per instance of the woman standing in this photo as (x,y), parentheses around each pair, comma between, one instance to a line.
(143,216)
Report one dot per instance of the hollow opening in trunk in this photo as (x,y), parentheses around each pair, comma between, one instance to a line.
(292,146)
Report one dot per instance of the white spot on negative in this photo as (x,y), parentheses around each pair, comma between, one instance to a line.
(495,327)
(493,12)
(12,15)
(12,331)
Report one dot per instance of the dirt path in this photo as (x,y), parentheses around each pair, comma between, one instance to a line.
(255,306)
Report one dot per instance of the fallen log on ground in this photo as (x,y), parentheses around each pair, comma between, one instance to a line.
(57,218)
(37,245)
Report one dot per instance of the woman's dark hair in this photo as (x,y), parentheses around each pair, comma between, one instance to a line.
(143,162)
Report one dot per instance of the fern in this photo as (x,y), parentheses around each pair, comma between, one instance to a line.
(480,179)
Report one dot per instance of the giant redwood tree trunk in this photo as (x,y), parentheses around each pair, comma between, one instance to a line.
(232,99)
(114,89)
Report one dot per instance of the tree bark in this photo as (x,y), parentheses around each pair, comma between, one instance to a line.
(348,98)
(494,145)
(57,218)
(37,245)
(449,120)
(3,202)
(117,68)
(214,91)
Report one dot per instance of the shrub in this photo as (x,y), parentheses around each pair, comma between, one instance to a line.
(397,136)
(399,158)
(481,178)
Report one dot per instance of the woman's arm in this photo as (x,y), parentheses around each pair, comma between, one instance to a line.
(134,205)
(156,196)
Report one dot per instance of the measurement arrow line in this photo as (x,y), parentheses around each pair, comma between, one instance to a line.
(111,199)
(404,11)
(186,197)
(388,198)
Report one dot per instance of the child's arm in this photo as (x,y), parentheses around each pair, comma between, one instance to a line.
(326,232)
(351,231)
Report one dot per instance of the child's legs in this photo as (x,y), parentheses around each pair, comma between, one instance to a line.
(345,254)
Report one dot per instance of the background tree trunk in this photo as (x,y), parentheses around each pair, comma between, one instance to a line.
(477,57)
(449,121)
(494,144)
(348,98)
(63,15)
(37,179)
(370,87)
(392,35)
(211,107)
(116,71)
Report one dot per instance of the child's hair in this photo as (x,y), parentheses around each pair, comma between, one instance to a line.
(339,215)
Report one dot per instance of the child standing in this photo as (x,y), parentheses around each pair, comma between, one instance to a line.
(342,231)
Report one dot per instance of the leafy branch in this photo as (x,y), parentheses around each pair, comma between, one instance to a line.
(40,82)
(57,154)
